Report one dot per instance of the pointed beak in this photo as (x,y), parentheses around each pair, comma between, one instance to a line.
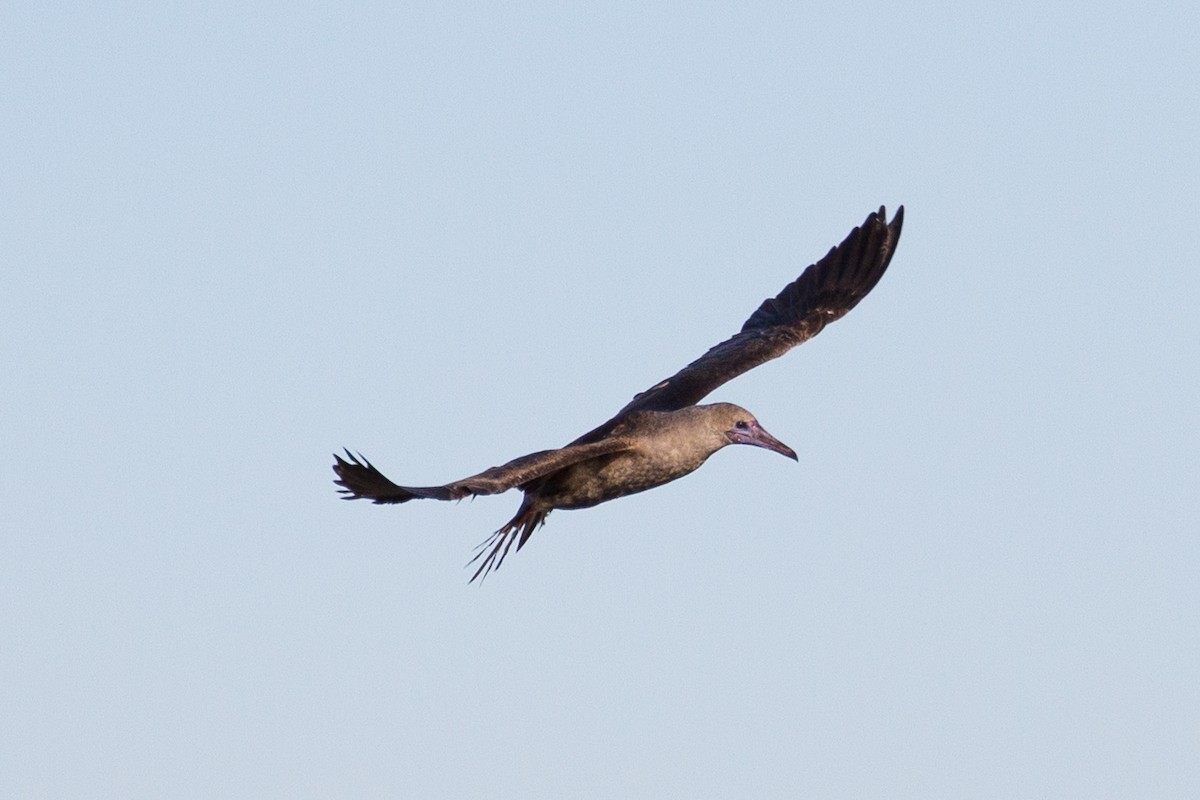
(757,436)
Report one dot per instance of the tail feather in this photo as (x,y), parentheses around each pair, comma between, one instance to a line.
(518,529)
(362,481)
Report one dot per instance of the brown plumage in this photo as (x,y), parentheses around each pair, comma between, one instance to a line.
(661,434)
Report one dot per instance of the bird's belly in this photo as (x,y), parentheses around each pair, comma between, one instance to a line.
(590,483)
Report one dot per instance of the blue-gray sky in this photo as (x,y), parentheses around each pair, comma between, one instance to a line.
(235,238)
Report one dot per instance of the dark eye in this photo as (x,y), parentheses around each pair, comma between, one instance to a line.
(741,425)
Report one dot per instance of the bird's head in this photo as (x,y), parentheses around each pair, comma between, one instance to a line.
(740,427)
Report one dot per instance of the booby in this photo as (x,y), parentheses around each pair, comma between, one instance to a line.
(662,434)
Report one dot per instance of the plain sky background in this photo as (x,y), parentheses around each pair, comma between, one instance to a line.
(235,237)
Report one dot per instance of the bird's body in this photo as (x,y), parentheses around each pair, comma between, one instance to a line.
(661,435)
(664,445)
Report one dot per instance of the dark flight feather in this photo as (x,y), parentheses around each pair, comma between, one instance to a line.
(359,479)
(824,292)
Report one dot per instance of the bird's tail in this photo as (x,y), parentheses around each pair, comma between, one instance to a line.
(362,481)
(518,529)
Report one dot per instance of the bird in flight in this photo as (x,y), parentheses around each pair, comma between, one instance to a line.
(662,434)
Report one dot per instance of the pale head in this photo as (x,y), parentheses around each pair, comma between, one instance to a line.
(738,426)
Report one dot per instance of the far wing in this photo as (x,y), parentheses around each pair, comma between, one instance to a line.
(360,480)
(824,292)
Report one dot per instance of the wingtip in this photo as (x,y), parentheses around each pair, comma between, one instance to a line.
(881,216)
(895,226)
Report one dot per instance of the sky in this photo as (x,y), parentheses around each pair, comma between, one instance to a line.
(235,238)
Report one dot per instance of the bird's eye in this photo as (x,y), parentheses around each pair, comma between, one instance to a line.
(741,425)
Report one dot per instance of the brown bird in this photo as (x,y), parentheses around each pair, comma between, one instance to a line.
(661,434)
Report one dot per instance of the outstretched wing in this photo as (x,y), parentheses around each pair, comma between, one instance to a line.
(360,480)
(824,292)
